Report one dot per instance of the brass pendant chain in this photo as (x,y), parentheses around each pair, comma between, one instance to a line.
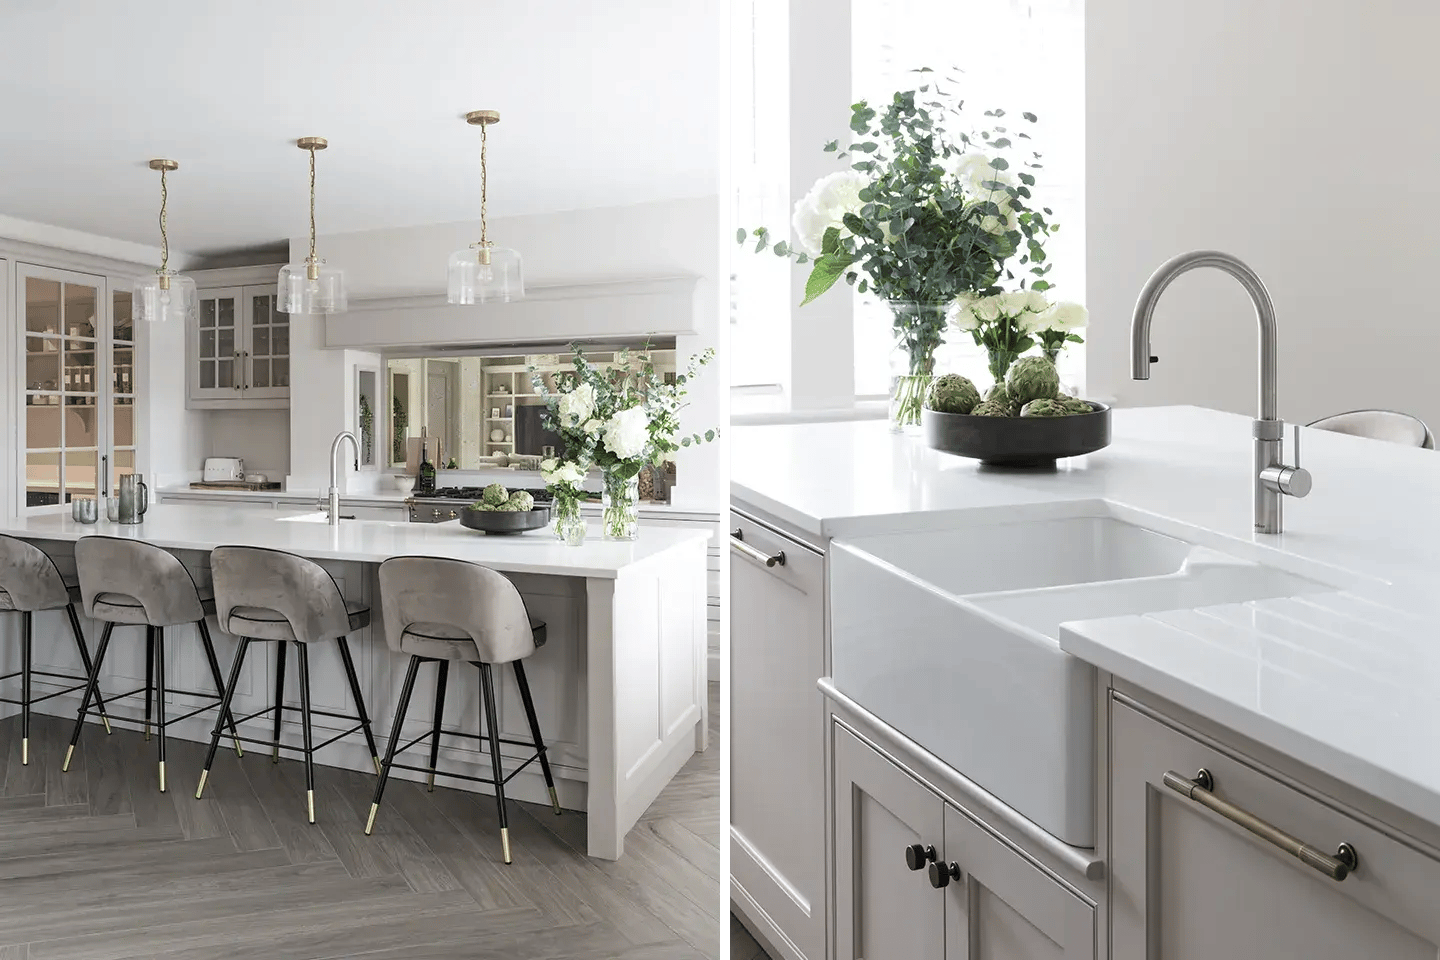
(164,236)
(312,206)
(484,186)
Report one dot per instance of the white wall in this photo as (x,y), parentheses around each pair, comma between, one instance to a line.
(260,437)
(1297,136)
(668,238)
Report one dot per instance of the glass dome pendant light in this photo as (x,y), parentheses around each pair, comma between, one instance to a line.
(164,295)
(311,287)
(483,272)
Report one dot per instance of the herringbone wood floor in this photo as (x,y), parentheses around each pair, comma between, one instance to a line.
(97,863)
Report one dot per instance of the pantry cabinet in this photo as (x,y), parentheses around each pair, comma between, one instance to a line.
(1192,879)
(238,349)
(776,743)
(920,877)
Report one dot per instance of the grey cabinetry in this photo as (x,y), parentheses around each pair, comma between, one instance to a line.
(777,724)
(238,350)
(1188,883)
(918,877)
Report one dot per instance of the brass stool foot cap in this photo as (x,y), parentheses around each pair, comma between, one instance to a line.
(379,767)
(65,767)
(106,720)
(370,823)
(310,804)
(505,842)
(430,781)
(555,801)
(204,774)
(25,750)
(162,776)
(239,751)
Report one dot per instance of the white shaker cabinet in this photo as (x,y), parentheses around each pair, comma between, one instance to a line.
(777,725)
(918,877)
(1189,880)
(238,349)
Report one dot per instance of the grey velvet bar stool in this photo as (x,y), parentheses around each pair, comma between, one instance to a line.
(440,610)
(263,594)
(30,583)
(133,583)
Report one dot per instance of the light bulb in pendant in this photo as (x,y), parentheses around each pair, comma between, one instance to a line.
(164,300)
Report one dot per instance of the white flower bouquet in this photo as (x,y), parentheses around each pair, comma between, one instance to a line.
(1010,323)
(617,417)
(925,214)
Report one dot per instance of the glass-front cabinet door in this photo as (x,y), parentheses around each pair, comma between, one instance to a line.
(65,339)
(239,349)
(216,371)
(123,428)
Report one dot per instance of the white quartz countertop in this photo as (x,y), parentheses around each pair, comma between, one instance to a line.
(1347,681)
(203,527)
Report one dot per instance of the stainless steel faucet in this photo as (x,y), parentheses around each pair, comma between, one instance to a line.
(334,488)
(1273,479)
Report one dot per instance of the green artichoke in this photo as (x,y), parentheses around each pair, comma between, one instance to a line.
(952,393)
(1033,378)
(520,502)
(990,408)
(1074,406)
(1044,407)
(495,495)
(998,392)
(481,505)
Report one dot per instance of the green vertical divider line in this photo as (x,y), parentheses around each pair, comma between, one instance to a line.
(725,478)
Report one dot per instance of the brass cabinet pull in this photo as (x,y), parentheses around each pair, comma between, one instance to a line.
(1199,789)
(738,544)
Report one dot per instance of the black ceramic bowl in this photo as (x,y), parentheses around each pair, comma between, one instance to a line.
(504,521)
(1018,441)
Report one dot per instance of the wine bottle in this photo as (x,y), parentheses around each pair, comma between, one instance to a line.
(426,481)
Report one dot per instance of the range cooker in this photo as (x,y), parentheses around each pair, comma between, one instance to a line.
(444,504)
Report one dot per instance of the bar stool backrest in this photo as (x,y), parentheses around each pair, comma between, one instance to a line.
(29,579)
(259,582)
(468,598)
(121,571)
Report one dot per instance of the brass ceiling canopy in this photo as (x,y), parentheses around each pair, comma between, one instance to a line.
(170,165)
(312,143)
(482,118)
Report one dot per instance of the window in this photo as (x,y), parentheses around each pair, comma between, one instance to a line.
(1014,54)
(79,386)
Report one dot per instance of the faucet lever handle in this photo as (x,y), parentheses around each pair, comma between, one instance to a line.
(1297,446)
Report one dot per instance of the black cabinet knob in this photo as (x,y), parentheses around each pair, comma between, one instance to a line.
(918,854)
(942,873)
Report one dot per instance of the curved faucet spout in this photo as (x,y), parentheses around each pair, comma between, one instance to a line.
(1249,279)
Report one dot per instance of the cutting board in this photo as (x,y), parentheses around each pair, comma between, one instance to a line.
(233,485)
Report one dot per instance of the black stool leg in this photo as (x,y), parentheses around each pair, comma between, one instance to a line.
(524,686)
(225,699)
(279,701)
(441,676)
(149,676)
(304,657)
(85,661)
(90,691)
(219,683)
(405,691)
(364,718)
(160,698)
(492,724)
(27,623)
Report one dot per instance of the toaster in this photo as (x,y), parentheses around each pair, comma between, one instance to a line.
(224,468)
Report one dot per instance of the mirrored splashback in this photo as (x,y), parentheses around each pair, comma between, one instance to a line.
(479,407)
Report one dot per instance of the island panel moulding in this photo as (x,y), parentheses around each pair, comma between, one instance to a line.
(312,286)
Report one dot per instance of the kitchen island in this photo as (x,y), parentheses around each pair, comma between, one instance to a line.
(619,685)
(1017,677)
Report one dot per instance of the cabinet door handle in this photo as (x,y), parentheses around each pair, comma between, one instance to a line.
(1199,789)
(245,367)
(942,873)
(738,544)
(917,855)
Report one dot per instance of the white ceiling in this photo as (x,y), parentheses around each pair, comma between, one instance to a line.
(601,103)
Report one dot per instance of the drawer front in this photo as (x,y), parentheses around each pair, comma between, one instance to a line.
(1190,882)
(801,568)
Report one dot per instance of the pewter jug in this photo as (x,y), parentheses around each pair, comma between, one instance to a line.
(134,499)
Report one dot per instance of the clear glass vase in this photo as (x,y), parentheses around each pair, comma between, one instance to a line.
(919,332)
(567,523)
(620,508)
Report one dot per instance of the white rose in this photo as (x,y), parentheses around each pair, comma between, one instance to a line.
(1032,322)
(987,309)
(964,319)
(1038,303)
(1013,303)
(824,206)
(570,472)
(1064,316)
(592,427)
(627,433)
(577,405)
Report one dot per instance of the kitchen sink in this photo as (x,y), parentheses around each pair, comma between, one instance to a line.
(346,519)
(951,636)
